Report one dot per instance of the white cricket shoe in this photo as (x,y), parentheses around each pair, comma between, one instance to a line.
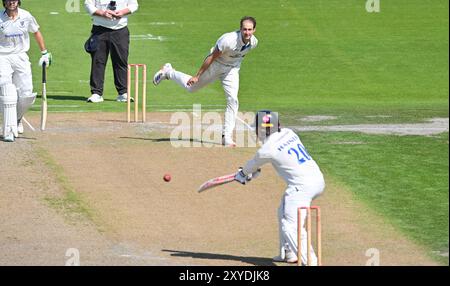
(9,137)
(289,258)
(123,98)
(20,127)
(95,98)
(162,74)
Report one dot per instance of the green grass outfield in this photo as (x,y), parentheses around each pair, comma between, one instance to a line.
(404,178)
(315,57)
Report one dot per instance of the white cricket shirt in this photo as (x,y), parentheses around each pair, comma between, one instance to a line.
(14,34)
(233,48)
(289,158)
(94,5)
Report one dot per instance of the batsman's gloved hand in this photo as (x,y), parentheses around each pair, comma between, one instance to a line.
(242,178)
(45,58)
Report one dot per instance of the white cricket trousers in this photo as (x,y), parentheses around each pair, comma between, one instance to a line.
(16,69)
(294,198)
(229,77)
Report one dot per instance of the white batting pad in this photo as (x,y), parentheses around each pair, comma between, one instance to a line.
(8,103)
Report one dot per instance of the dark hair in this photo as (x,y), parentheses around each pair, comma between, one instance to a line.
(249,18)
(4,3)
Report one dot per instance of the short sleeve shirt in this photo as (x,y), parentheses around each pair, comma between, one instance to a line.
(14,34)
(233,48)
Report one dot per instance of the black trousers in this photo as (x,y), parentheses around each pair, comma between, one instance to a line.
(116,43)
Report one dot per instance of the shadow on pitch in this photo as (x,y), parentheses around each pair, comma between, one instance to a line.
(71,97)
(256,261)
(25,138)
(159,140)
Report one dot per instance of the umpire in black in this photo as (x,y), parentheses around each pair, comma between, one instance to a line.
(109,35)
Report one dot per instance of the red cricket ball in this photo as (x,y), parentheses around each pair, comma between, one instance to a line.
(167,177)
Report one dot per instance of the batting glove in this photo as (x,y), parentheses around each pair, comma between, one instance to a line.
(45,58)
(242,178)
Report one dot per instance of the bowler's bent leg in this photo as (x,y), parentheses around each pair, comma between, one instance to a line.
(181,78)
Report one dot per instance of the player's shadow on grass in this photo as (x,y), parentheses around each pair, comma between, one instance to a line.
(72,97)
(159,140)
(257,261)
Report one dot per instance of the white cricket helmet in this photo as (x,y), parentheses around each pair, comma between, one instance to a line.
(267,123)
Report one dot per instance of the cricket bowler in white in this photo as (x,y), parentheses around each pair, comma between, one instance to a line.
(223,63)
(287,154)
(16,85)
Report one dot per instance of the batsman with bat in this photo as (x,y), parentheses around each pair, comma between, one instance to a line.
(287,154)
(16,85)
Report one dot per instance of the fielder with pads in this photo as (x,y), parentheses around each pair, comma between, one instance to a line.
(223,63)
(16,85)
(287,154)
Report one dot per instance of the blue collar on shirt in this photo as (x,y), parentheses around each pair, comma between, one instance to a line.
(246,47)
(6,14)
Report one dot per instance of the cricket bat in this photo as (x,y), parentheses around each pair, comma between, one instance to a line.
(216,182)
(44,98)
